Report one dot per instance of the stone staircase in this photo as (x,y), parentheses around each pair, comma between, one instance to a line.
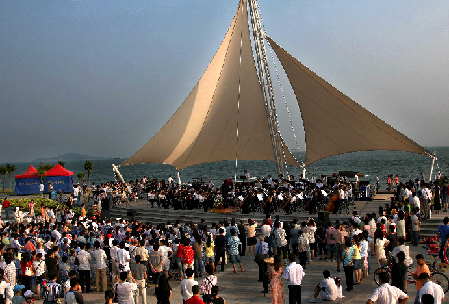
(144,213)
(430,227)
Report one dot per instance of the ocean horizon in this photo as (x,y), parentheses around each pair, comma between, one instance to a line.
(371,163)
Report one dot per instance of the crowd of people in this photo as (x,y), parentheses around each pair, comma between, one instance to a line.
(59,256)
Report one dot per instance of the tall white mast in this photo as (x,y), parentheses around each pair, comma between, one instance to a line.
(266,85)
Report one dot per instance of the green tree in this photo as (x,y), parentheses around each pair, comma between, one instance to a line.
(88,166)
(10,169)
(3,172)
(42,168)
(80,176)
(61,163)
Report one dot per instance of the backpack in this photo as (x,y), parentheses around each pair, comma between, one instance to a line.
(70,298)
(53,292)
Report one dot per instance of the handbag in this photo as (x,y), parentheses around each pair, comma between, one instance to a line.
(28,272)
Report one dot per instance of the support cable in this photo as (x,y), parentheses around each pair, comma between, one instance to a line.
(238,112)
(267,87)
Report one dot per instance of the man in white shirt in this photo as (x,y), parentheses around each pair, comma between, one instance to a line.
(327,289)
(123,258)
(414,201)
(84,267)
(415,227)
(294,274)
(76,191)
(101,264)
(387,294)
(431,288)
(186,285)
(404,248)
(41,189)
(113,252)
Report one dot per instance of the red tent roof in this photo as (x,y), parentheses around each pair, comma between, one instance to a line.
(58,170)
(29,173)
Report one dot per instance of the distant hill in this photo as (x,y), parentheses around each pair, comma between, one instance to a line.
(69,157)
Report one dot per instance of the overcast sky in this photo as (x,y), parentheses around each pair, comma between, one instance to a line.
(101,77)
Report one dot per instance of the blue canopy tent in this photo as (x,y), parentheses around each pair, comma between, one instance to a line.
(60,178)
(28,182)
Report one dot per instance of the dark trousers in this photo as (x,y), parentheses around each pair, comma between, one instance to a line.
(219,255)
(242,248)
(27,280)
(349,274)
(85,280)
(294,294)
(303,259)
(415,238)
(263,276)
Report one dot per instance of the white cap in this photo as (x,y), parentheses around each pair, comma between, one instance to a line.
(28,294)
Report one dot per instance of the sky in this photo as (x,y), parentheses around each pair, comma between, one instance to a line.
(100,77)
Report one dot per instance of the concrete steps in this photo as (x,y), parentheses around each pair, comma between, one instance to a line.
(430,227)
(145,213)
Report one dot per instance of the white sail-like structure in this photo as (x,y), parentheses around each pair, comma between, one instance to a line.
(224,117)
(334,123)
(229,113)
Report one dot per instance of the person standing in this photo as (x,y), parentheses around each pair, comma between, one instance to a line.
(242,236)
(399,272)
(156,262)
(421,267)
(416,227)
(186,285)
(277,286)
(400,225)
(342,234)
(331,241)
(262,250)
(303,248)
(31,207)
(348,266)
(41,189)
(123,258)
(187,255)
(220,248)
(124,290)
(443,232)
(163,290)
(84,259)
(198,256)
(357,259)
(101,264)
(233,250)
(208,282)
(139,272)
(51,264)
(251,235)
(294,274)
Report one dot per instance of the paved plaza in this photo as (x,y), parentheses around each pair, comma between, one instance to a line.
(243,288)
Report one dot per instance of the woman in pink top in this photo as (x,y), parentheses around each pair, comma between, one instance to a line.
(342,234)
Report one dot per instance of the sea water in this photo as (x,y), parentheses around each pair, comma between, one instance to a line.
(372,164)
